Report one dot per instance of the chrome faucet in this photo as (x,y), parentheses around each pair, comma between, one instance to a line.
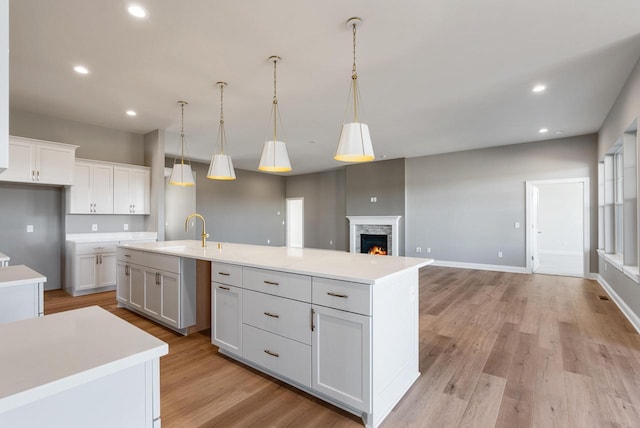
(205,235)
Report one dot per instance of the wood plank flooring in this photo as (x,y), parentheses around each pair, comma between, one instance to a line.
(496,350)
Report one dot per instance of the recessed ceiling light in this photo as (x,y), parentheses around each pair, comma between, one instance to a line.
(137,11)
(539,88)
(543,130)
(81,69)
(131,113)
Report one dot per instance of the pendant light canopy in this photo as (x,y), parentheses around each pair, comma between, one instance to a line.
(181,174)
(274,154)
(221,167)
(355,142)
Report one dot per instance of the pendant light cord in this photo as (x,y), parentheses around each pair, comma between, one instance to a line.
(182,133)
(275,100)
(222,131)
(354,78)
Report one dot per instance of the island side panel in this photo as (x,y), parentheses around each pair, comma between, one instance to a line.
(203,296)
(395,340)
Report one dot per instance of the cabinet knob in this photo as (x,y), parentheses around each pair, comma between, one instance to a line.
(273,354)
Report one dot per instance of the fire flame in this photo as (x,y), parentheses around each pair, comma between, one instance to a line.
(378,250)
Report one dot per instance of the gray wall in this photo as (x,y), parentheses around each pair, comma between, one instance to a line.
(384,180)
(324,193)
(464,205)
(40,206)
(243,211)
(154,158)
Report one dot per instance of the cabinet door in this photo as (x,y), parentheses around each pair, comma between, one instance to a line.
(137,276)
(123,283)
(80,193)
(121,191)
(170,300)
(140,184)
(152,292)
(21,162)
(341,351)
(106,270)
(85,271)
(226,317)
(102,188)
(19,302)
(54,164)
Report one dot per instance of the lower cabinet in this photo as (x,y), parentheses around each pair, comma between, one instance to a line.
(91,267)
(226,321)
(341,356)
(158,286)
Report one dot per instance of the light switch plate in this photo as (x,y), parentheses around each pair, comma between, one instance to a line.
(126,226)
(29,228)
(94,227)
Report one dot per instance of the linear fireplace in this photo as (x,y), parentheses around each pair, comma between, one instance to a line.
(373,244)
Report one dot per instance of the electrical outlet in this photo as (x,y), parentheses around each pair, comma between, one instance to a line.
(374,199)
(428,249)
(418,249)
(268,241)
(29,228)
(330,242)
(278,213)
(516,225)
(499,254)
(94,227)
(282,221)
(126,226)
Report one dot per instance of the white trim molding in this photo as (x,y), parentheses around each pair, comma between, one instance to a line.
(626,310)
(481,266)
(384,220)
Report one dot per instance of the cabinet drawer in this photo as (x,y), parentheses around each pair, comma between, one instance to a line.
(96,247)
(152,261)
(285,317)
(283,356)
(226,274)
(343,295)
(289,285)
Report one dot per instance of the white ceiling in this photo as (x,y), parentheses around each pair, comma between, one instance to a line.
(436,75)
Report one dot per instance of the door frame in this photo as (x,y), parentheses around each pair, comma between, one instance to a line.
(586,220)
(286,216)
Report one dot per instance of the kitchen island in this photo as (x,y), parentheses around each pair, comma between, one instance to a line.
(340,326)
(21,293)
(80,368)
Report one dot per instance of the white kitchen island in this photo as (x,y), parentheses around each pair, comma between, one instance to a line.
(80,368)
(340,326)
(21,293)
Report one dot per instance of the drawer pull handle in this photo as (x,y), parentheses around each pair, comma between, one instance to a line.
(127,255)
(342,296)
(223,287)
(98,248)
(269,314)
(313,326)
(271,283)
(224,273)
(273,354)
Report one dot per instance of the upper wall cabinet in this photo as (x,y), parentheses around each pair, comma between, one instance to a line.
(131,190)
(92,192)
(39,162)
(109,188)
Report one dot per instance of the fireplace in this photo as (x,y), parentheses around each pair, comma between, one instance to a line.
(387,226)
(373,244)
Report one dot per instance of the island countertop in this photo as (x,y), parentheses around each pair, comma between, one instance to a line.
(355,267)
(19,275)
(47,355)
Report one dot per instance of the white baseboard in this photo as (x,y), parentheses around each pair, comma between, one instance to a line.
(626,310)
(594,276)
(480,266)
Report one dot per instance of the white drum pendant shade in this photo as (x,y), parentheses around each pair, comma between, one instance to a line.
(355,144)
(181,175)
(275,157)
(221,168)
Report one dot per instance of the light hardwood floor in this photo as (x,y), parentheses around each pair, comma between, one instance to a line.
(496,349)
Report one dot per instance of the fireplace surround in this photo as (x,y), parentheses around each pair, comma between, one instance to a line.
(374,225)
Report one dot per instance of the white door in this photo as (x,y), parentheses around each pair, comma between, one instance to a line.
(535,231)
(107,269)
(86,267)
(558,233)
(295,222)
(80,193)
(53,164)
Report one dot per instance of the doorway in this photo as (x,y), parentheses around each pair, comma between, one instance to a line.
(557,232)
(295,222)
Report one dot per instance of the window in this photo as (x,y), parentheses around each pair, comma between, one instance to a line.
(618,198)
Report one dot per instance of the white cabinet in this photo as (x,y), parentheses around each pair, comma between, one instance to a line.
(158,286)
(91,267)
(40,162)
(341,356)
(131,190)
(92,192)
(226,318)
(21,293)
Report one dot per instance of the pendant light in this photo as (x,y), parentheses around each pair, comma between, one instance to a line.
(274,154)
(181,174)
(355,142)
(221,167)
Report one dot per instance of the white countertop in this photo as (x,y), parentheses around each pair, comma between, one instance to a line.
(19,275)
(42,356)
(4,258)
(110,236)
(340,265)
